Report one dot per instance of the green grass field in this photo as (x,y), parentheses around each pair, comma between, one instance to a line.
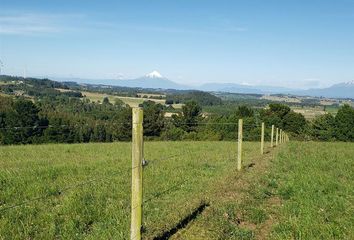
(315,183)
(101,209)
(296,191)
(304,191)
(131,101)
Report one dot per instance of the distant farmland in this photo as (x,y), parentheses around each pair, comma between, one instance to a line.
(131,101)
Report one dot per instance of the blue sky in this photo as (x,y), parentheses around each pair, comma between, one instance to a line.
(291,43)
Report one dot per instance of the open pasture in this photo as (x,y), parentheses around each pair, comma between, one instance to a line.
(303,191)
(82,191)
(131,101)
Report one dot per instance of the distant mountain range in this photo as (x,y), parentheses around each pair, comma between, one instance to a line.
(239,88)
(157,81)
(340,90)
(151,80)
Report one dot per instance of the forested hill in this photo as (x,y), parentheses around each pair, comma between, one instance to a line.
(45,111)
(34,87)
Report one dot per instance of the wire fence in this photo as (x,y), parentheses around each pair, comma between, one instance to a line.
(138,166)
(126,124)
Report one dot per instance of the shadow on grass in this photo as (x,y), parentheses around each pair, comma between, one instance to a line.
(183,223)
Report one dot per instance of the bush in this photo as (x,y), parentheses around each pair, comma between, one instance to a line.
(172,133)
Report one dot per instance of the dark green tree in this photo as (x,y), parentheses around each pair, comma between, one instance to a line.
(106,100)
(344,121)
(294,122)
(153,118)
(322,127)
(244,111)
(189,118)
(22,123)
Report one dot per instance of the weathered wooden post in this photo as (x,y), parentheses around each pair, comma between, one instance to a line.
(239,152)
(137,174)
(277,137)
(262,139)
(281,137)
(272,137)
(280,134)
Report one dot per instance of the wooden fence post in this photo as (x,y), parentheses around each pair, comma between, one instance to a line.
(262,139)
(280,134)
(239,150)
(277,137)
(137,174)
(281,137)
(272,137)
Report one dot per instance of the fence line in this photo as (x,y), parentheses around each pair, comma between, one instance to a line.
(63,126)
(138,159)
(262,138)
(239,145)
(272,137)
(138,162)
(116,123)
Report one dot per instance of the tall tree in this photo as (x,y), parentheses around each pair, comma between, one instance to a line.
(22,123)
(344,121)
(153,118)
(322,127)
(189,118)
(294,122)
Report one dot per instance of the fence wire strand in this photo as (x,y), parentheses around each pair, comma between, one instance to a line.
(125,124)
(157,195)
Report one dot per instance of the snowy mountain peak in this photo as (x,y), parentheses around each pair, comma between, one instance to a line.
(345,84)
(154,74)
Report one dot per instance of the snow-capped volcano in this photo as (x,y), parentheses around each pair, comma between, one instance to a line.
(151,80)
(154,74)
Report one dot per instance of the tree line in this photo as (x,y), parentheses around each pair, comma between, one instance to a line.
(63,119)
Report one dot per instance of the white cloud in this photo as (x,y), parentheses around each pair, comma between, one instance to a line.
(30,24)
(20,23)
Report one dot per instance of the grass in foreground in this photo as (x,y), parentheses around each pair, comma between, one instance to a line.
(315,182)
(304,192)
(86,187)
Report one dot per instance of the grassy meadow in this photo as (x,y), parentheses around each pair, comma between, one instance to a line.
(304,190)
(315,183)
(86,187)
(300,190)
(131,101)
